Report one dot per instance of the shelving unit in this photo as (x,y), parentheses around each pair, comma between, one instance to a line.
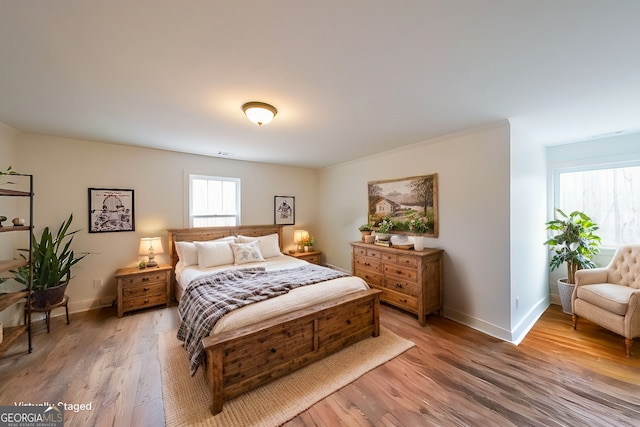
(12,333)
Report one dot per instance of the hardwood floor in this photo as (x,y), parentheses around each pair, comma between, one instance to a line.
(455,376)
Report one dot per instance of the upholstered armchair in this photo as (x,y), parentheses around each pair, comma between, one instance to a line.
(610,296)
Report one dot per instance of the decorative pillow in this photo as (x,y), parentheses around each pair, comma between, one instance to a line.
(246,252)
(214,253)
(269,244)
(187,252)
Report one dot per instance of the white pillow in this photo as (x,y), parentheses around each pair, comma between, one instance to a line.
(187,252)
(214,253)
(246,252)
(269,244)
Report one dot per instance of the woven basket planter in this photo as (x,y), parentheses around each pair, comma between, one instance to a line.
(565,290)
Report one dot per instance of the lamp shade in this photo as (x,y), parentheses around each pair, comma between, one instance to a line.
(150,244)
(259,112)
(300,236)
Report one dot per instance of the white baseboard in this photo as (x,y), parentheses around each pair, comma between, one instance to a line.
(80,306)
(514,336)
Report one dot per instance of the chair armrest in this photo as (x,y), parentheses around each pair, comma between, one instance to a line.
(591,275)
(631,323)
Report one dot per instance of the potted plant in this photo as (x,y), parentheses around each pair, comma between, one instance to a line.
(308,245)
(365,230)
(575,244)
(384,228)
(52,259)
(419,226)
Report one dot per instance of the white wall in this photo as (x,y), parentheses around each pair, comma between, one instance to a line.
(8,143)
(528,213)
(474,209)
(64,169)
(8,208)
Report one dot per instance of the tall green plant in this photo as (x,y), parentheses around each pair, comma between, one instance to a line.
(52,258)
(574,242)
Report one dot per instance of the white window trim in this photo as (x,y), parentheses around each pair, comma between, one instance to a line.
(189,175)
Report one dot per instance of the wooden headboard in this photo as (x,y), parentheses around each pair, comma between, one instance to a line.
(211,233)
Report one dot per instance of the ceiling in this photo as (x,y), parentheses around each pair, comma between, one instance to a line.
(349,78)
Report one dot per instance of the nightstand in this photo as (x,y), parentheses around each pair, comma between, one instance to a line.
(312,257)
(143,287)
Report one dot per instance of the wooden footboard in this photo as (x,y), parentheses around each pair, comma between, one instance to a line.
(242,360)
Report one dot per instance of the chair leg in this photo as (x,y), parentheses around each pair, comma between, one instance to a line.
(628,342)
(574,317)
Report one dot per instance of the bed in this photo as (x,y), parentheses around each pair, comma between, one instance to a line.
(241,354)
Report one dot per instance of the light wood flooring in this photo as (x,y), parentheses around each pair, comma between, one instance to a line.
(455,376)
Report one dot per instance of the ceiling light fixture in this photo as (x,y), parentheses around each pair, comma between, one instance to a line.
(259,112)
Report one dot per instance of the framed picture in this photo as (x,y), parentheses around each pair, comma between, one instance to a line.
(405,202)
(284,210)
(111,210)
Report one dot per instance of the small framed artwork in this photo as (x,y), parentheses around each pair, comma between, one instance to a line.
(111,210)
(284,210)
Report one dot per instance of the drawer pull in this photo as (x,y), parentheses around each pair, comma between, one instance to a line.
(399,271)
(146,289)
(367,264)
(146,301)
(145,279)
(348,321)
(399,285)
(273,350)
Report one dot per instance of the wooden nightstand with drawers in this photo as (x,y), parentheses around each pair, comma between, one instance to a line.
(312,257)
(143,287)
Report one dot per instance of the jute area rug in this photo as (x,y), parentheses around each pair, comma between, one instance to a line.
(186,398)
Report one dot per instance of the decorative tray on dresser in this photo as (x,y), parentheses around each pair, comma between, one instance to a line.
(409,279)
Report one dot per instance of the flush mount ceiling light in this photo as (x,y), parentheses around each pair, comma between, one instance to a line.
(259,112)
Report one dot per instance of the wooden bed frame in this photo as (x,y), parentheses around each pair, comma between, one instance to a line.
(242,360)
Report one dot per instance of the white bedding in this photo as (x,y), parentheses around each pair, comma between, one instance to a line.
(298,298)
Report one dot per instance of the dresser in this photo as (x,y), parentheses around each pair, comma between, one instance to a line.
(142,288)
(410,280)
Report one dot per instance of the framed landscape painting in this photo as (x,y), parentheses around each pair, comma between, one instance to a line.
(405,201)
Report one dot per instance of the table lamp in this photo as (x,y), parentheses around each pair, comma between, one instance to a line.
(151,246)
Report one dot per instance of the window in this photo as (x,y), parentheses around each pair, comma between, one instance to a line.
(608,193)
(214,201)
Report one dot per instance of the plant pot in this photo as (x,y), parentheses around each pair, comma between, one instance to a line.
(43,298)
(418,243)
(383,236)
(565,290)
(363,234)
(308,248)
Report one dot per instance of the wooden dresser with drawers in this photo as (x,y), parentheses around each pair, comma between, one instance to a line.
(408,279)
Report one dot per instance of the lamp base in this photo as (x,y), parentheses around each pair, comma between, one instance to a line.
(152,262)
